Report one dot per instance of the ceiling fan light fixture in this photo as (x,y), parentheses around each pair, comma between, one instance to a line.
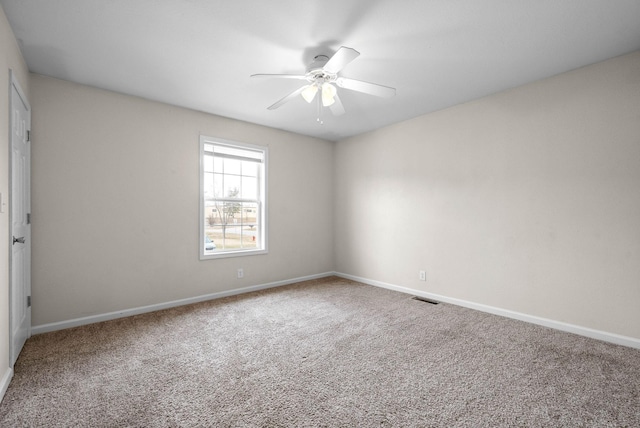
(328,94)
(309,93)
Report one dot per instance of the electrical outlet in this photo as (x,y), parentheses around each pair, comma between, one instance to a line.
(422,275)
(240,273)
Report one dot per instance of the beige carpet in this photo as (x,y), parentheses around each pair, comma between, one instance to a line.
(329,352)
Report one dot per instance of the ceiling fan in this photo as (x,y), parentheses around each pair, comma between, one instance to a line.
(322,76)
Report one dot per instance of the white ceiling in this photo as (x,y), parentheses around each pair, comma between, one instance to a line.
(200,53)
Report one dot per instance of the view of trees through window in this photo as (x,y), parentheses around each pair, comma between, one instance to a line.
(231,225)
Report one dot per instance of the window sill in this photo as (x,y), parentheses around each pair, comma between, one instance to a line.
(226,254)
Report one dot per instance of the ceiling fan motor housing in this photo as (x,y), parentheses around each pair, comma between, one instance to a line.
(315,72)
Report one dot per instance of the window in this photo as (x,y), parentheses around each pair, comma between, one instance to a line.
(232,198)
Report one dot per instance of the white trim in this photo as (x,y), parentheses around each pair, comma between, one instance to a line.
(4,383)
(61,325)
(558,325)
(13,80)
(631,342)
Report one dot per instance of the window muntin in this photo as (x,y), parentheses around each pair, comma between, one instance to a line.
(233,194)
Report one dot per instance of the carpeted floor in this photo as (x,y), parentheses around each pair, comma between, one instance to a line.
(329,352)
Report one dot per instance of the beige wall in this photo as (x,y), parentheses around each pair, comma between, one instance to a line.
(10,58)
(527,200)
(102,162)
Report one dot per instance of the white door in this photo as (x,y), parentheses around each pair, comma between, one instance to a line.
(20,288)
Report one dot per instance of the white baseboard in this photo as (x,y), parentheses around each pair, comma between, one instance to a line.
(61,325)
(558,325)
(4,382)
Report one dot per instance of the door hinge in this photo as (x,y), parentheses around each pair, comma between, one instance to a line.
(28,301)
(28,135)
(28,218)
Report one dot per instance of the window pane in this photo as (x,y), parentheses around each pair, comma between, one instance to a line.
(231,226)
(211,215)
(208,163)
(249,168)
(217,238)
(249,225)
(231,186)
(208,185)
(211,228)
(249,214)
(232,166)
(217,164)
(231,212)
(218,180)
(249,188)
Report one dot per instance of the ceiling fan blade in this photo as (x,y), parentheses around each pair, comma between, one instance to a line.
(337,108)
(288,98)
(340,59)
(282,76)
(366,87)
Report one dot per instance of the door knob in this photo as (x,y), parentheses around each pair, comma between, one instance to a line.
(19,240)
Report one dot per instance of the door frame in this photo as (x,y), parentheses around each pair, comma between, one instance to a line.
(14,83)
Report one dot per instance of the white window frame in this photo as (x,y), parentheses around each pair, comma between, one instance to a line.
(261,218)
